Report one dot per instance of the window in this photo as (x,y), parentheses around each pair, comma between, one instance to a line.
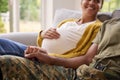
(30,15)
(110,5)
(4,16)
(23,16)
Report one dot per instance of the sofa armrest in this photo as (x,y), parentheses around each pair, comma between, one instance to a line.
(28,38)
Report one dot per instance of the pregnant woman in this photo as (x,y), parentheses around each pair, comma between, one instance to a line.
(70,38)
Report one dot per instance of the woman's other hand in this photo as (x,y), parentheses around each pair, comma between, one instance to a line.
(50,33)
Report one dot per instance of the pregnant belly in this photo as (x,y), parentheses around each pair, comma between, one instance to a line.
(59,46)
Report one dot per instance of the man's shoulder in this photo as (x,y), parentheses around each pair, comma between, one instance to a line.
(112,21)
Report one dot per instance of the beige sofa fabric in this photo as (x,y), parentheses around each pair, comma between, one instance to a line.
(29,38)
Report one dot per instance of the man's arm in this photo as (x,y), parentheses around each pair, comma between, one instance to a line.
(66,62)
(76,61)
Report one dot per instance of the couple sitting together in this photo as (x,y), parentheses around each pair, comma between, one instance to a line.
(79,49)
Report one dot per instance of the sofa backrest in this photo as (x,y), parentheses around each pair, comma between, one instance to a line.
(116,14)
(30,38)
(102,16)
(62,14)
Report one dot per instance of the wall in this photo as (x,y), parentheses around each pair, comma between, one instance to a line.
(58,4)
(50,6)
(69,4)
(77,5)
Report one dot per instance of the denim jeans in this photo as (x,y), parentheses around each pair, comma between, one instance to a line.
(9,47)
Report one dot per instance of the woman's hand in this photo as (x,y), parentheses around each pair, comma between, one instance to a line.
(50,33)
(31,49)
(34,52)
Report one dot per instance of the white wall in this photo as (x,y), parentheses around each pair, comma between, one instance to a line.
(69,4)
(77,5)
(58,4)
(50,6)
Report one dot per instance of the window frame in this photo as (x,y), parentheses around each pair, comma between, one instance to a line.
(14,15)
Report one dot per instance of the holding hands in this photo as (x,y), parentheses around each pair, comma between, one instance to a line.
(34,52)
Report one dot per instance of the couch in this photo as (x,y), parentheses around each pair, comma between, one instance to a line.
(29,38)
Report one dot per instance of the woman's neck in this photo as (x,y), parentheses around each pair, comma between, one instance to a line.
(86,19)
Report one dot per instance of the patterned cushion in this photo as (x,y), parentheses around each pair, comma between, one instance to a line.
(102,16)
(116,14)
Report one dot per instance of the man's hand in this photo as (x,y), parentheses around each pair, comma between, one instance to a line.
(34,52)
(50,33)
(31,49)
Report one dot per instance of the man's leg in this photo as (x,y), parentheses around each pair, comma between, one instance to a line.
(1,76)
(9,47)
(89,73)
(19,68)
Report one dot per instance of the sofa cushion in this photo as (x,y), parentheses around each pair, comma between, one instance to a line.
(102,16)
(116,14)
(28,38)
(62,14)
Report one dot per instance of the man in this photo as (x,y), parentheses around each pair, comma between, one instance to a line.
(106,62)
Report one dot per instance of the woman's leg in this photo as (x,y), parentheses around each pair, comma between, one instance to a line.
(19,68)
(9,47)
